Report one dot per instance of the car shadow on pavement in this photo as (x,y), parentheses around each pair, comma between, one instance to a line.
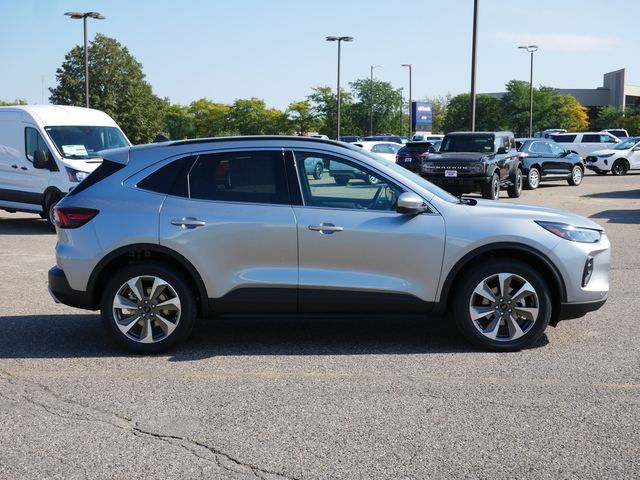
(78,336)
(630,217)
(31,225)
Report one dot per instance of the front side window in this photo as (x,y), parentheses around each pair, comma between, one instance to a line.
(345,184)
(556,149)
(34,141)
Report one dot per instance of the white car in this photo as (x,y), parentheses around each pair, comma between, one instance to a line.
(618,160)
(584,143)
(386,150)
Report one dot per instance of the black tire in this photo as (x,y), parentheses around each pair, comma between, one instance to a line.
(532,180)
(491,190)
(138,296)
(576,176)
(51,201)
(515,190)
(318,171)
(620,167)
(342,180)
(502,305)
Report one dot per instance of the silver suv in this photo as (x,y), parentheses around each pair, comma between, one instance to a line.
(160,235)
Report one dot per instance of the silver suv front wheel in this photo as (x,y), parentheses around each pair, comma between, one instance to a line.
(148,308)
(502,305)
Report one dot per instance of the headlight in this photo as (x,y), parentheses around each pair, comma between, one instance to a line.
(427,167)
(76,175)
(571,232)
(478,167)
(605,155)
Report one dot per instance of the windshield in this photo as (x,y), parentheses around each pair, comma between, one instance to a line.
(468,143)
(409,175)
(627,144)
(85,141)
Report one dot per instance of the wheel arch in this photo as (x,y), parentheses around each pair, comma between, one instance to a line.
(523,253)
(130,254)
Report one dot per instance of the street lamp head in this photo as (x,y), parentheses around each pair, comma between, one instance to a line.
(530,48)
(406,65)
(339,39)
(78,15)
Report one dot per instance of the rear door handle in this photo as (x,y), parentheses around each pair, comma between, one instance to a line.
(188,222)
(325,228)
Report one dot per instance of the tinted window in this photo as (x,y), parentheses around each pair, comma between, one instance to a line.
(163,179)
(592,138)
(564,138)
(246,177)
(468,143)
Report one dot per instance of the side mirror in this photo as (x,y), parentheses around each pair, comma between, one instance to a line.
(410,203)
(40,159)
(502,150)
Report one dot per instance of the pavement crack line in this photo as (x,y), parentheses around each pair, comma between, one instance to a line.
(25,390)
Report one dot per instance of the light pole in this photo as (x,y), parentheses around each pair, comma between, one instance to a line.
(410,99)
(84,16)
(371,101)
(339,40)
(530,49)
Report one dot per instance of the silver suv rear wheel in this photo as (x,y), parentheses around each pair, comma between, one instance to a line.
(148,308)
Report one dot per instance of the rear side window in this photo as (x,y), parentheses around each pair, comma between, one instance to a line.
(564,138)
(245,177)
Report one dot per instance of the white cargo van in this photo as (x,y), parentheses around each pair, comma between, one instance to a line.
(46,150)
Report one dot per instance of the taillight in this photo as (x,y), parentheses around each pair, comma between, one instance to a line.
(72,217)
(523,155)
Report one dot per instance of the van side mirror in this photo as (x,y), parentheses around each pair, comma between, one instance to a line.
(40,159)
(502,150)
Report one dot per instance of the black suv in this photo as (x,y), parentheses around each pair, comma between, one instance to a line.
(413,154)
(480,162)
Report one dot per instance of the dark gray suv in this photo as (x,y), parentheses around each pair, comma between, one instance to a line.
(160,235)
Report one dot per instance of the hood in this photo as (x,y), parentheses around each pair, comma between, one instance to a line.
(533,212)
(459,156)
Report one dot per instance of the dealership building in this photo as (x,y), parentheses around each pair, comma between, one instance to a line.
(614,91)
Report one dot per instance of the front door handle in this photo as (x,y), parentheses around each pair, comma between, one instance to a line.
(188,222)
(325,228)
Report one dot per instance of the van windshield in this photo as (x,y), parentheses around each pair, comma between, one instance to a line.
(85,141)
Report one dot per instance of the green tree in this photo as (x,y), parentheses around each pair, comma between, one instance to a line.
(488,113)
(179,123)
(608,117)
(386,104)
(302,117)
(248,117)
(325,107)
(117,87)
(15,102)
(211,119)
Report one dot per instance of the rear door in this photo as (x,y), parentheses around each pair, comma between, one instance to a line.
(229,215)
(356,253)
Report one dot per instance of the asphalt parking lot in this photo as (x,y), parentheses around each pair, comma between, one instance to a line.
(282,398)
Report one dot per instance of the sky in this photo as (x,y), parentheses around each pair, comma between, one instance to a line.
(277,51)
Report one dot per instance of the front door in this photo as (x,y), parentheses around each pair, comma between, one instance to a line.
(356,253)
